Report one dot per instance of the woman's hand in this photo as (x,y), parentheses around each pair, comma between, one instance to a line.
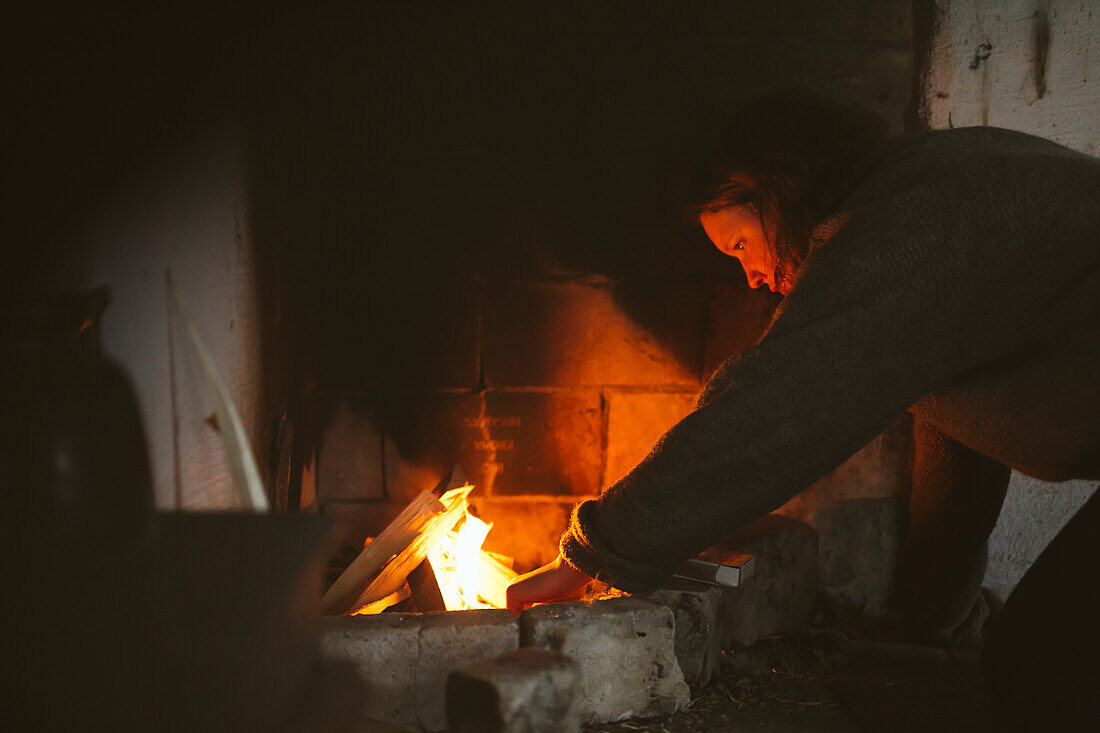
(556,581)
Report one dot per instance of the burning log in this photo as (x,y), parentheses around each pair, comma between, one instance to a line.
(426,597)
(468,576)
(381,605)
(393,575)
(395,538)
(446,569)
(495,577)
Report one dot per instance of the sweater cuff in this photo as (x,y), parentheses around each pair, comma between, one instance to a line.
(587,553)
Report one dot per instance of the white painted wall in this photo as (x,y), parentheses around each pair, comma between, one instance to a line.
(984,69)
(186,212)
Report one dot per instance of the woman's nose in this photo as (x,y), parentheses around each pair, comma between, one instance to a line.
(756,279)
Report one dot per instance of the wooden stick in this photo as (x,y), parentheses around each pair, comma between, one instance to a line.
(379,606)
(396,537)
(455,479)
(394,573)
(505,560)
(238,451)
(425,589)
(495,577)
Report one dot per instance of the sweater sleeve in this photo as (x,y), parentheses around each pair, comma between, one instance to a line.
(773,419)
(912,292)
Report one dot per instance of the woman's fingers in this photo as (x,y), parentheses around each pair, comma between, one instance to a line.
(556,581)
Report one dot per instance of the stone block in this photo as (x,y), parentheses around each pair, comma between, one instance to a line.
(858,547)
(543,443)
(349,453)
(856,512)
(451,641)
(634,423)
(590,332)
(879,469)
(405,658)
(527,529)
(625,648)
(508,443)
(699,633)
(525,691)
(385,650)
(781,592)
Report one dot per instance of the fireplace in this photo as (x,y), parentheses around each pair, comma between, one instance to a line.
(566,391)
(486,265)
(450,239)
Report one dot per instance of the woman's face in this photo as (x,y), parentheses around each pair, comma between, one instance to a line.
(736,230)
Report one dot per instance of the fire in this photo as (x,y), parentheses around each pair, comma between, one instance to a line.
(441,530)
(469,577)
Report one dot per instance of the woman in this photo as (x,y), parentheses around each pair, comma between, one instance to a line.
(959,279)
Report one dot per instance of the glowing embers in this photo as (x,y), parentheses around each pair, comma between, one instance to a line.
(469,577)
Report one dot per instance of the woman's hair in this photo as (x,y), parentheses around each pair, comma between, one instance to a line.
(792,157)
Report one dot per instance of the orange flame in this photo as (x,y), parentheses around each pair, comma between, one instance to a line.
(469,577)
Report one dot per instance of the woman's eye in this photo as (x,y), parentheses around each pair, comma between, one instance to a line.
(740,245)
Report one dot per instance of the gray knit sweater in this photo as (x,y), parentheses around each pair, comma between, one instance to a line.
(962,255)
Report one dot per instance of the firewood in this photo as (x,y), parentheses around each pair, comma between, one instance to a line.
(453,480)
(505,560)
(495,577)
(396,537)
(381,605)
(393,575)
(426,597)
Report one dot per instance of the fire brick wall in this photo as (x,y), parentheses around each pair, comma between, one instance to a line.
(504,280)
(1027,65)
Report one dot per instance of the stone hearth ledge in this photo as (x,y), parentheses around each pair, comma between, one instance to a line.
(781,592)
(405,658)
(523,691)
(625,650)
(698,631)
(636,656)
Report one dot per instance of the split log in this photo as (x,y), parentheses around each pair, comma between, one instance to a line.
(426,597)
(505,560)
(381,605)
(393,575)
(455,479)
(495,577)
(338,599)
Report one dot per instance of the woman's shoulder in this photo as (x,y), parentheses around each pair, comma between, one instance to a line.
(962,145)
(961,168)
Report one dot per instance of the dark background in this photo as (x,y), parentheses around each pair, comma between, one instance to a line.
(452,210)
(400,151)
